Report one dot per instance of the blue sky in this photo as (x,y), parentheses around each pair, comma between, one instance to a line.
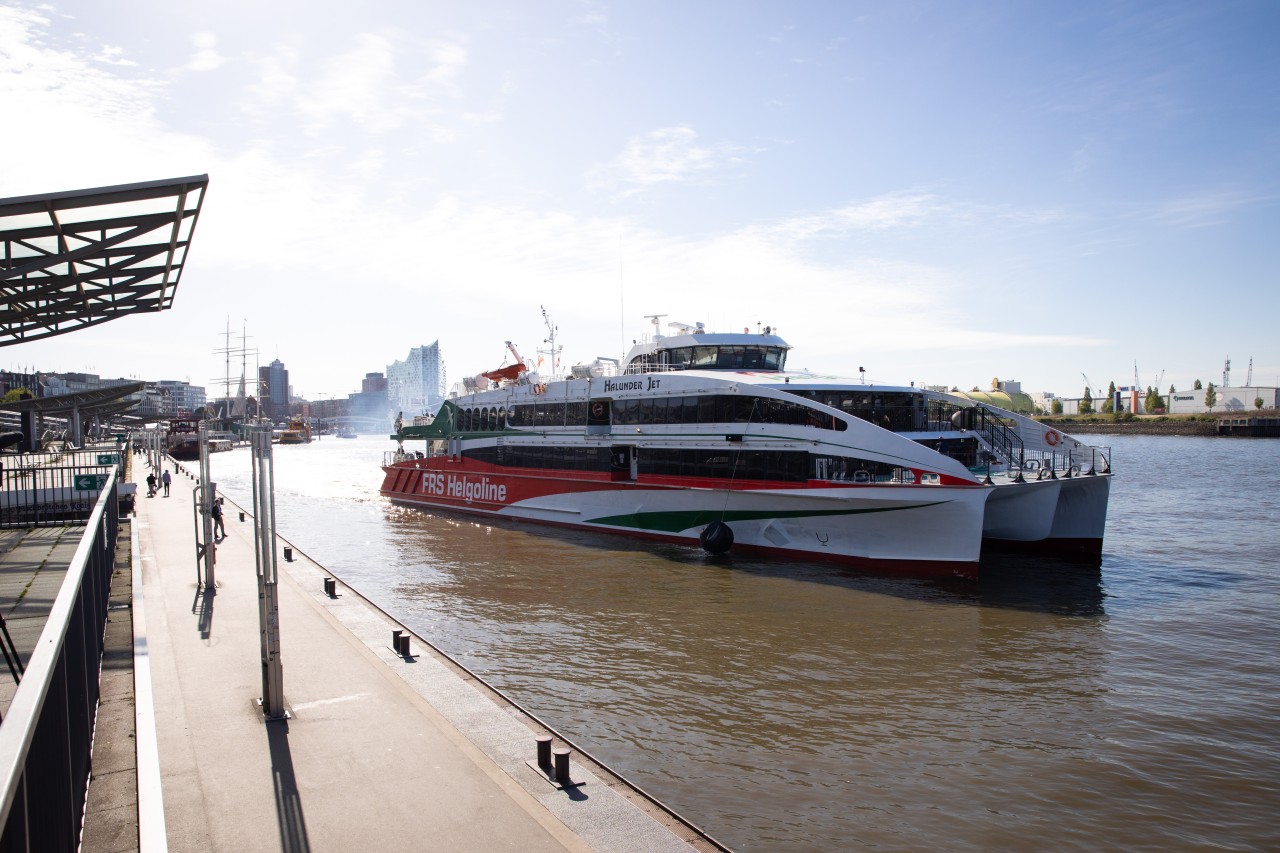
(940,192)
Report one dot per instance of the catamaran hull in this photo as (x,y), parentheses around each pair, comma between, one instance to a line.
(907,530)
(1022,512)
(1078,521)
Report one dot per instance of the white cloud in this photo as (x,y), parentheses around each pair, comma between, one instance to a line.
(664,156)
(895,210)
(364,86)
(1203,209)
(112,55)
(206,57)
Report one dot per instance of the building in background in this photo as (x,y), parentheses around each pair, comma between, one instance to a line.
(178,399)
(371,400)
(416,386)
(1233,400)
(273,390)
(1005,393)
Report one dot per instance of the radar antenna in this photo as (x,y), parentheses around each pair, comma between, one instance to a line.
(554,352)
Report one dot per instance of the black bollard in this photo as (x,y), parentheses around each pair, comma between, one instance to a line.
(562,766)
(544,751)
(242,516)
(288,554)
(403,647)
(330,587)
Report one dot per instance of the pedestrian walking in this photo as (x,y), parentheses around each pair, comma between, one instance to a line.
(164,478)
(219,527)
(151,484)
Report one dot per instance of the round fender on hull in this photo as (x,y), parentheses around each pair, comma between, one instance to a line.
(716,538)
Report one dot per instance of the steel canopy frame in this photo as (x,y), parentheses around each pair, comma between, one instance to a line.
(80,258)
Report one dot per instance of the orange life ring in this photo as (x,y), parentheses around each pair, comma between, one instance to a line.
(1052,438)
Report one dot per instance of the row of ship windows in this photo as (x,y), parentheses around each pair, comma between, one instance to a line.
(788,466)
(705,409)
(729,357)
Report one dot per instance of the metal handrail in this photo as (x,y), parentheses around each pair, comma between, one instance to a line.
(46,739)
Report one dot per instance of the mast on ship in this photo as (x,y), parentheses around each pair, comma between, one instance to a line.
(554,352)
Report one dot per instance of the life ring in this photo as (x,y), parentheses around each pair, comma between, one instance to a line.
(1052,438)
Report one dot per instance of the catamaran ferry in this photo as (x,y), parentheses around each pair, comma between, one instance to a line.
(706,438)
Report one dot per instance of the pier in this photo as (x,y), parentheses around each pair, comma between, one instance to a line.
(384,745)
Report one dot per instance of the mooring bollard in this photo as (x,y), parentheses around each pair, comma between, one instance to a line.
(403,648)
(544,750)
(562,766)
(395,640)
(330,587)
(288,554)
(242,516)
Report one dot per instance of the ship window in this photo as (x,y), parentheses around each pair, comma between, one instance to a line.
(776,465)
(848,469)
(626,412)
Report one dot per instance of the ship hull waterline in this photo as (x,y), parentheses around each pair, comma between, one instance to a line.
(902,531)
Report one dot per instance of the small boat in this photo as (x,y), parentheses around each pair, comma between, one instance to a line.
(297,432)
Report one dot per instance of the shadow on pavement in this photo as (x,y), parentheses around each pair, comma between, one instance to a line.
(293,825)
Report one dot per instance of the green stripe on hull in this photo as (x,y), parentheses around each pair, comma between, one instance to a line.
(676,521)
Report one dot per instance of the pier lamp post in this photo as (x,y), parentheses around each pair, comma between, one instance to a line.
(207,497)
(264,539)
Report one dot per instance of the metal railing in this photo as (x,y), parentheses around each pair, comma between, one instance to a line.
(46,740)
(52,488)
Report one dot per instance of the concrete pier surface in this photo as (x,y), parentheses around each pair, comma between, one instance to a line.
(379,751)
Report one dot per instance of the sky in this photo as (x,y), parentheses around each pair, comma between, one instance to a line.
(937,192)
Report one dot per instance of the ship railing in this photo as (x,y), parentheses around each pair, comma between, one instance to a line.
(46,739)
(1066,463)
(392,457)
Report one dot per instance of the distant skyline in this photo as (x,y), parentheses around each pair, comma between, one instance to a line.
(942,193)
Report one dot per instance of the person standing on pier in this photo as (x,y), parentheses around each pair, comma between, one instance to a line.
(151,485)
(219,527)
(164,478)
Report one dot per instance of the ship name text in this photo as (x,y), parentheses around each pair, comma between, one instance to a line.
(612,386)
(467,488)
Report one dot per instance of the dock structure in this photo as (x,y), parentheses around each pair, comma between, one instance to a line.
(1250,427)
(386,744)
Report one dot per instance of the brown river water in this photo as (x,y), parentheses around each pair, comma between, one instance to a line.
(788,706)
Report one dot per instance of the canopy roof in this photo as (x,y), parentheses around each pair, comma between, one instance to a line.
(74,259)
(100,401)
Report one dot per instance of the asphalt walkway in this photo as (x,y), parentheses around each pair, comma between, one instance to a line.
(379,752)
